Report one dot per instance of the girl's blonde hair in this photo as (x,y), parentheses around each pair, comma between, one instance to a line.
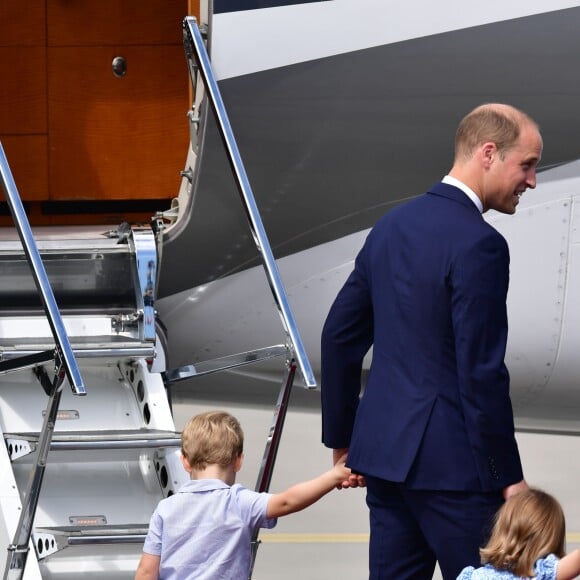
(530,525)
(212,438)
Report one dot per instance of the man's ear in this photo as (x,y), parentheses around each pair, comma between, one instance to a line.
(185,463)
(488,153)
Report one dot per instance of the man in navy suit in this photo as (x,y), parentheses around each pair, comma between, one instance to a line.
(432,436)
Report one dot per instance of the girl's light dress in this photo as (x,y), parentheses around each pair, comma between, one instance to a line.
(544,569)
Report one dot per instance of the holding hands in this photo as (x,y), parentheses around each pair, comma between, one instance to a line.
(350,479)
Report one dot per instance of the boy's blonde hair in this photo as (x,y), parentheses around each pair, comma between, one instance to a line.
(212,438)
(530,525)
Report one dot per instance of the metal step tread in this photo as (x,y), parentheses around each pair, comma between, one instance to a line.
(123,439)
(107,534)
(93,346)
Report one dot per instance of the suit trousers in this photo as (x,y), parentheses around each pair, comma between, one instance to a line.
(411,530)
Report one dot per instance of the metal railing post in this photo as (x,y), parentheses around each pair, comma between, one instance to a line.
(18,550)
(272,445)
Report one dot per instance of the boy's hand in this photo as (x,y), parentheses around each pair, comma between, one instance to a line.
(351,479)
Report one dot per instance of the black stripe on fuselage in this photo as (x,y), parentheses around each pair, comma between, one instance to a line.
(221,6)
(331,144)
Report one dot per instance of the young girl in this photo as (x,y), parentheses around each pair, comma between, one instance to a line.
(527,541)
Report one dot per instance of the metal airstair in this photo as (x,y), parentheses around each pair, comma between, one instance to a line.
(90,441)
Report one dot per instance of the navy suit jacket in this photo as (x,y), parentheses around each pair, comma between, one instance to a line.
(428,292)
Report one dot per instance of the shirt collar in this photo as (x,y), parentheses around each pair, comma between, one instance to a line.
(467,190)
(194,485)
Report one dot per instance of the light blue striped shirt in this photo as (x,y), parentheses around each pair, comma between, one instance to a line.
(204,531)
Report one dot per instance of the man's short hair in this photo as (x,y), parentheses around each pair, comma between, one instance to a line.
(212,438)
(493,122)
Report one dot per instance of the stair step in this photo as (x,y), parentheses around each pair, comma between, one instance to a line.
(91,535)
(84,440)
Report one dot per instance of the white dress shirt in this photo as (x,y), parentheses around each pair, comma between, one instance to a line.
(467,190)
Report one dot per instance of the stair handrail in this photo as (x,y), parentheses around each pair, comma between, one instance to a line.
(195,48)
(63,349)
(65,365)
(296,353)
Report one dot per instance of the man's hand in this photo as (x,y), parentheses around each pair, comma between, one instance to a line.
(514,488)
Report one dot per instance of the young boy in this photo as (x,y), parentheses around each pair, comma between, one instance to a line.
(204,531)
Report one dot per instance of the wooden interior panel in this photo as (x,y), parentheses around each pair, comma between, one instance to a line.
(22,23)
(23,92)
(27,158)
(77,138)
(117,138)
(86,22)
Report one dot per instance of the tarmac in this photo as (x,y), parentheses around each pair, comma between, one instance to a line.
(329,540)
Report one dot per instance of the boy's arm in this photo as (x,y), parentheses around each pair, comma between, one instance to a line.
(148,568)
(303,494)
(569,566)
